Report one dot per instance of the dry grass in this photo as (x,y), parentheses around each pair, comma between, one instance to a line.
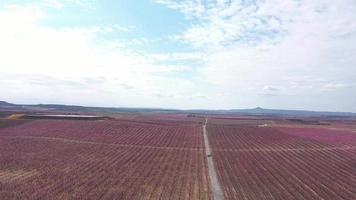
(15,116)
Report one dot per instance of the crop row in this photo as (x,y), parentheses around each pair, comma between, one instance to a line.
(329,136)
(169,119)
(4,123)
(264,163)
(111,131)
(262,138)
(37,168)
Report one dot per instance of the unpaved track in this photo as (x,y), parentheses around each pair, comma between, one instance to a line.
(215,185)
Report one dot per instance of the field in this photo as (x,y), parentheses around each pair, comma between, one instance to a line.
(269,163)
(63,159)
(163,156)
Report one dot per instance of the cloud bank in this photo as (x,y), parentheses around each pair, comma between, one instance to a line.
(304,48)
(292,54)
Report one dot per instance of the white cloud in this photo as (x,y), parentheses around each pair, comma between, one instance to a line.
(54,4)
(60,4)
(269,88)
(223,22)
(192,56)
(304,48)
(30,48)
(248,52)
(55,64)
(124,28)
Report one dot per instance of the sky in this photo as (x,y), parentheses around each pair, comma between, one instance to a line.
(185,54)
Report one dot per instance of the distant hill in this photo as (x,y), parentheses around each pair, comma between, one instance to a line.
(73,108)
(4,103)
(259,110)
(255,111)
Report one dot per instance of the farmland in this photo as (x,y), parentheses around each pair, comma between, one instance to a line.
(163,156)
(267,163)
(63,159)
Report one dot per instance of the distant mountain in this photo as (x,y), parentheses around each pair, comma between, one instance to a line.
(274,112)
(263,111)
(73,108)
(4,103)
(255,111)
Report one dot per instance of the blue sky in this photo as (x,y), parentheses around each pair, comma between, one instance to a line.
(214,54)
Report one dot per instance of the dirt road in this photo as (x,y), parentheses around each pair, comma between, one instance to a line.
(215,185)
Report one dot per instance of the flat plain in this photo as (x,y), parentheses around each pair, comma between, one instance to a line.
(64,159)
(162,156)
